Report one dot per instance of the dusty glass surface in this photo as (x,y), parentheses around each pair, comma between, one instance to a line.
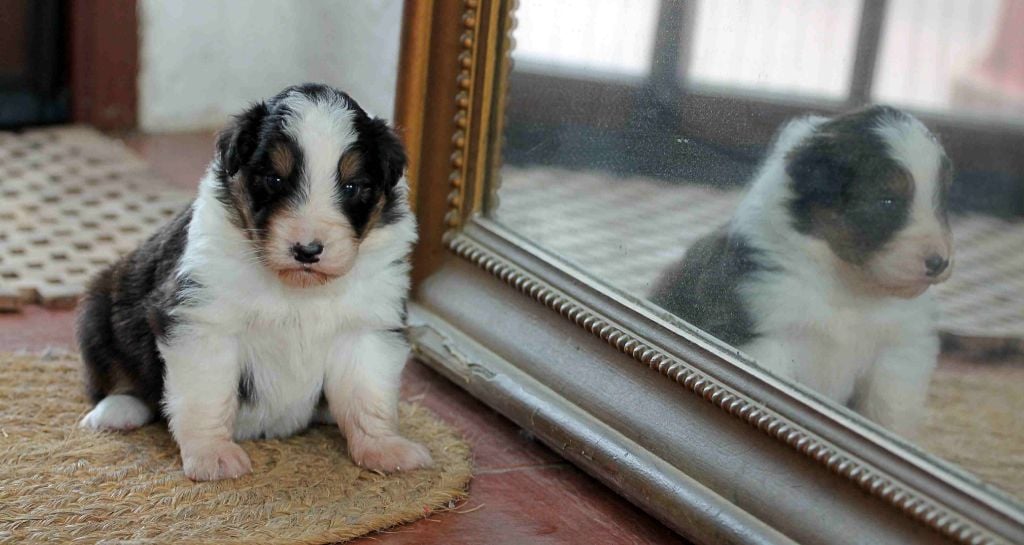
(732,162)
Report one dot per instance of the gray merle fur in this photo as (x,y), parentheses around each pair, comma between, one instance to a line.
(125,311)
(703,288)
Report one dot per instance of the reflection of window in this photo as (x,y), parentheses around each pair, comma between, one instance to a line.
(725,74)
(931,54)
(939,56)
(775,46)
(607,37)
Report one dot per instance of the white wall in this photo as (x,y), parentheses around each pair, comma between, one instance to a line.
(203,60)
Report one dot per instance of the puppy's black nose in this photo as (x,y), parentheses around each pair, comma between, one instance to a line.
(935,264)
(308,253)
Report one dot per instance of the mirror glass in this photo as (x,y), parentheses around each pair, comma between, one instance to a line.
(836,188)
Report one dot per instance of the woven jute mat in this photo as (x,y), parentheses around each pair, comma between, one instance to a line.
(59,484)
(975,421)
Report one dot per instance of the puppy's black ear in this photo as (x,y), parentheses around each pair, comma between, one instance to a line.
(818,170)
(237,142)
(388,153)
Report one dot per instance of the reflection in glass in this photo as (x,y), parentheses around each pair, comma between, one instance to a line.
(792,47)
(821,273)
(654,142)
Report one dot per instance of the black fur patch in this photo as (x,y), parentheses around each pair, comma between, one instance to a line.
(250,186)
(246,386)
(848,189)
(383,161)
(703,288)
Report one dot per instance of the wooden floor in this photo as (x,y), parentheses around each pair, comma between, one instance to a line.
(521,492)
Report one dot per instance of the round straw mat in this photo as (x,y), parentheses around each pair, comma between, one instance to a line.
(60,484)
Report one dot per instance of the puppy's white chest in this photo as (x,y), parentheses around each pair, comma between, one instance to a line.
(282,376)
(824,343)
(849,340)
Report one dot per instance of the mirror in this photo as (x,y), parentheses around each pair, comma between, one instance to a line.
(834,187)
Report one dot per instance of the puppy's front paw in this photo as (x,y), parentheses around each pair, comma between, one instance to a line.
(216,461)
(390,453)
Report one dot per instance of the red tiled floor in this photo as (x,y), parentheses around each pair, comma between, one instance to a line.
(178,158)
(36,328)
(521,492)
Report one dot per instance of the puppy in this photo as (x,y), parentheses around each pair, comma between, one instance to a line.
(821,274)
(274,301)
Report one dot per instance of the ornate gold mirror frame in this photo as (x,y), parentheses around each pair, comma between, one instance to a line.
(672,420)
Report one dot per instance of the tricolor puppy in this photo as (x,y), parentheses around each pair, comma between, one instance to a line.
(821,274)
(274,301)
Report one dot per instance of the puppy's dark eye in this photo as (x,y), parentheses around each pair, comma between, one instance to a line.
(272,181)
(887,202)
(350,190)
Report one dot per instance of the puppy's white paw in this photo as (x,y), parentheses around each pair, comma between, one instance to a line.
(117,413)
(389,454)
(216,461)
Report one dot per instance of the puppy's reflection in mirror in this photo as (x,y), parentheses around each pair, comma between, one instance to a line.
(821,274)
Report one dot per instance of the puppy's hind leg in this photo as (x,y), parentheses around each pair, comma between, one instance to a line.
(105,379)
(118,412)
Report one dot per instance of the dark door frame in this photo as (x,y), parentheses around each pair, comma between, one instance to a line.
(104,62)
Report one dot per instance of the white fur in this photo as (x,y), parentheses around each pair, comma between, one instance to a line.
(816,327)
(293,340)
(916,149)
(117,412)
